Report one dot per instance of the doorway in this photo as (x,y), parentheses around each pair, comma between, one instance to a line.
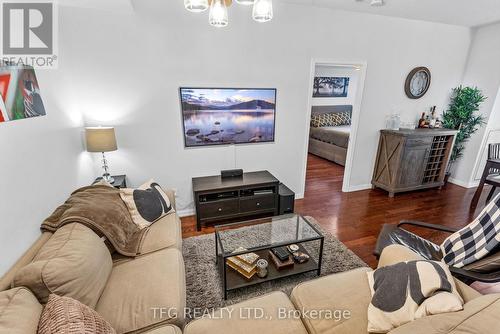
(334,104)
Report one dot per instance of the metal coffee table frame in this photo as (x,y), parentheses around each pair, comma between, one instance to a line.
(231,280)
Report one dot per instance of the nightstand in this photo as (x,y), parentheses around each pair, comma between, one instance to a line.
(120,181)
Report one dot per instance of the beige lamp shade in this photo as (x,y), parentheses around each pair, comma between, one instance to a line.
(101,139)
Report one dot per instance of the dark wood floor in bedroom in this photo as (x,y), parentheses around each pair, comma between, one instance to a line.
(356,218)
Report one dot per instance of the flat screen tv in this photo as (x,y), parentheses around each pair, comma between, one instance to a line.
(222,116)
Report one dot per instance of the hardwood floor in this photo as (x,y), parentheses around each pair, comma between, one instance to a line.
(356,218)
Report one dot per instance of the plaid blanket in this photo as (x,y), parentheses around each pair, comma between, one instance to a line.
(476,240)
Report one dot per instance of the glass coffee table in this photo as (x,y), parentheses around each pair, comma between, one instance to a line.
(259,237)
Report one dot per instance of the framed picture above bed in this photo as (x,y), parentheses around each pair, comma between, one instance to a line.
(330,86)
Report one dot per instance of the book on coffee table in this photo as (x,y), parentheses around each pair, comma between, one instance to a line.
(248,258)
(244,264)
(241,267)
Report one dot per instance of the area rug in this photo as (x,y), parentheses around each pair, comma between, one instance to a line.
(203,282)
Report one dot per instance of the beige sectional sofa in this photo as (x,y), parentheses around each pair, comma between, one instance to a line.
(75,262)
(348,294)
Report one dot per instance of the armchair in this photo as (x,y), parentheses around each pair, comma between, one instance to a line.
(485,270)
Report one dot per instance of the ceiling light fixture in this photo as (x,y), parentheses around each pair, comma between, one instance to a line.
(196,6)
(218,17)
(262,10)
(218,14)
(245,2)
(377,3)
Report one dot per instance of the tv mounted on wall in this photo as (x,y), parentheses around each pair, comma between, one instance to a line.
(222,116)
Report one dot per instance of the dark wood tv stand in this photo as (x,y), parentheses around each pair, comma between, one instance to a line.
(217,199)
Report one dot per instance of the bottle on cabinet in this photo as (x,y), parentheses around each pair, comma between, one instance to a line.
(429,120)
(421,121)
(432,121)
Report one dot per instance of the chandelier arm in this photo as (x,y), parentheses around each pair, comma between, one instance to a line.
(228,2)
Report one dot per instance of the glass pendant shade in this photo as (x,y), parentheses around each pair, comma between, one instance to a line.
(196,6)
(218,14)
(262,10)
(245,2)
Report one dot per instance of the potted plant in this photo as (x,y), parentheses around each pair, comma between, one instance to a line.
(462,116)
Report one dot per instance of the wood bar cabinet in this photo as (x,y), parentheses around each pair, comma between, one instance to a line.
(412,159)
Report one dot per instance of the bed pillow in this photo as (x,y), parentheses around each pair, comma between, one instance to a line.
(147,204)
(410,290)
(68,316)
(331,119)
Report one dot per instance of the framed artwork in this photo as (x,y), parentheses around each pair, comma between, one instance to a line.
(330,86)
(20,94)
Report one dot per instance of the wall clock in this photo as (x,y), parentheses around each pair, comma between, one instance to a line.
(418,82)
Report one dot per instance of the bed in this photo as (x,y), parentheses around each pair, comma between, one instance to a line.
(330,142)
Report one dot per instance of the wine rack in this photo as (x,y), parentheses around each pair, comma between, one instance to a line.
(410,159)
(437,155)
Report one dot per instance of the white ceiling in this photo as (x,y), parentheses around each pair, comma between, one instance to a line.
(107,5)
(468,13)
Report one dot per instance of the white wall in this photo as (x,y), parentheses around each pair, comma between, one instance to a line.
(124,69)
(335,71)
(491,135)
(483,71)
(42,162)
(127,70)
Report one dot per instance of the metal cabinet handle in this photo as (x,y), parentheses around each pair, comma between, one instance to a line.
(220,209)
(258,204)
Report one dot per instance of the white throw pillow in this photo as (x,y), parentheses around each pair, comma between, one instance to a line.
(146,204)
(410,290)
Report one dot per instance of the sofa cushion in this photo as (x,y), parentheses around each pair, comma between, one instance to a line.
(164,233)
(480,316)
(246,318)
(69,316)
(19,311)
(138,287)
(347,294)
(74,263)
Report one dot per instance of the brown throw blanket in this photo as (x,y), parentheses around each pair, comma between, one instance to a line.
(100,208)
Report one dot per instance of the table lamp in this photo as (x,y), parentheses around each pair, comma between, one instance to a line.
(102,139)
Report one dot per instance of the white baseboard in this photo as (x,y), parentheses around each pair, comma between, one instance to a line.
(186,212)
(463,184)
(359,187)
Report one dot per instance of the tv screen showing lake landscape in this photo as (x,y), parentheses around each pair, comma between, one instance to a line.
(218,116)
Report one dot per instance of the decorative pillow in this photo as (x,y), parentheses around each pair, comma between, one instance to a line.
(331,119)
(64,315)
(146,204)
(74,263)
(410,290)
(476,240)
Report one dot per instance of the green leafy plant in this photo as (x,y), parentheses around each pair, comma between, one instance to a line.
(461,115)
